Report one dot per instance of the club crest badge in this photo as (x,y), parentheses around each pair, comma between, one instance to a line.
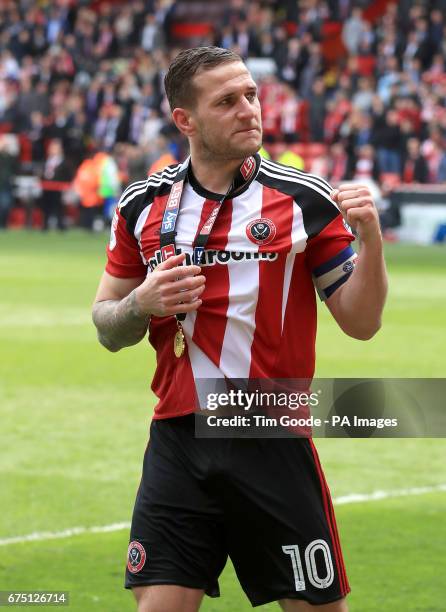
(136,557)
(348,267)
(261,231)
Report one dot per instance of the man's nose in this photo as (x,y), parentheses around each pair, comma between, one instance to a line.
(245,109)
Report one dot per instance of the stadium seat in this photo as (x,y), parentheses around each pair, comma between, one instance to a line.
(315,149)
(16,218)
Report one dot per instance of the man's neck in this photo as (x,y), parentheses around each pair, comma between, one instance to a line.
(215,176)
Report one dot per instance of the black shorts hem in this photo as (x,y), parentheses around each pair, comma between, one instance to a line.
(209,591)
(266,599)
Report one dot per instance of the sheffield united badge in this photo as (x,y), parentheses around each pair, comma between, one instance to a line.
(261,231)
(136,557)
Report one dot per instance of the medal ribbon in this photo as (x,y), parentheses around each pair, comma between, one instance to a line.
(172,209)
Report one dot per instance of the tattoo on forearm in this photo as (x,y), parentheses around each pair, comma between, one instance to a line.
(119,322)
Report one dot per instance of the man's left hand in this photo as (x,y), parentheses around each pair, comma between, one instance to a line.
(357,206)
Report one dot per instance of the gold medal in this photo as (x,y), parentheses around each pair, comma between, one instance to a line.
(179,342)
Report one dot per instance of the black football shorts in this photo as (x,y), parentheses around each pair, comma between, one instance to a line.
(263,502)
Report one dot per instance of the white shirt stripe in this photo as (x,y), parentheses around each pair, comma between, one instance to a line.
(298,243)
(139,227)
(235,361)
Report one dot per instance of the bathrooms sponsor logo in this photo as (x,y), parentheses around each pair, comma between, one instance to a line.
(212,257)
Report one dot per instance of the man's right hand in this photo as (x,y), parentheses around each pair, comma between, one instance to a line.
(171,288)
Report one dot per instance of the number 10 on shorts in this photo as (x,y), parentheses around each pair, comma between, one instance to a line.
(310,564)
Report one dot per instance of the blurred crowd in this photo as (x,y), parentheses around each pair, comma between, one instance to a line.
(82,99)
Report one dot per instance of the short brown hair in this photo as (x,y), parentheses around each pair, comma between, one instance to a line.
(178,80)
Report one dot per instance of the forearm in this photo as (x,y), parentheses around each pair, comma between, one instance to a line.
(120,323)
(361,299)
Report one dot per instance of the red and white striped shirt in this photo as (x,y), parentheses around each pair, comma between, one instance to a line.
(277,239)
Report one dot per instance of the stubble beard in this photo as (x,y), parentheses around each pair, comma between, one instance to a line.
(222,150)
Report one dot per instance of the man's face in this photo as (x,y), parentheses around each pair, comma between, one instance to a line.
(226,117)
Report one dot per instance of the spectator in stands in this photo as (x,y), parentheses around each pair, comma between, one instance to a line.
(338,109)
(9,66)
(36,135)
(109,182)
(436,28)
(317,110)
(367,40)
(290,57)
(291,116)
(8,167)
(441,175)
(165,156)
(354,30)
(415,168)
(244,39)
(151,128)
(425,46)
(86,186)
(281,54)
(390,76)
(312,69)
(387,139)
(57,173)
(235,11)
(337,164)
(152,35)
(364,95)
(365,169)
(108,126)
(433,154)
(80,71)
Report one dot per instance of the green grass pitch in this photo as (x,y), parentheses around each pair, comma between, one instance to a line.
(74,422)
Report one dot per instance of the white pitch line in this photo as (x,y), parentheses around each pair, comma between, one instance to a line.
(356,498)
(352,498)
(66,533)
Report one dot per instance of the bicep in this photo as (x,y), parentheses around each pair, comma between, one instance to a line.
(114,288)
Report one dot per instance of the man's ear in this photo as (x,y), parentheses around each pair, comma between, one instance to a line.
(184,121)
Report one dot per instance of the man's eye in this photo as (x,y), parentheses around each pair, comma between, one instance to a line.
(251,96)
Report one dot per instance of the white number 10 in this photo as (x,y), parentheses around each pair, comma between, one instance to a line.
(310,564)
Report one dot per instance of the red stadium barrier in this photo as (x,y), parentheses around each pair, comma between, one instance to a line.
(191,30)
(55,185)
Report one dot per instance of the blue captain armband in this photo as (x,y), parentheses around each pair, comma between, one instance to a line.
(333,273)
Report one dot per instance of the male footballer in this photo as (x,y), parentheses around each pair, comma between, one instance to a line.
(218,259)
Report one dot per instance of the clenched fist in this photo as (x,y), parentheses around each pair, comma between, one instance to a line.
(171,288)
(357,206)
